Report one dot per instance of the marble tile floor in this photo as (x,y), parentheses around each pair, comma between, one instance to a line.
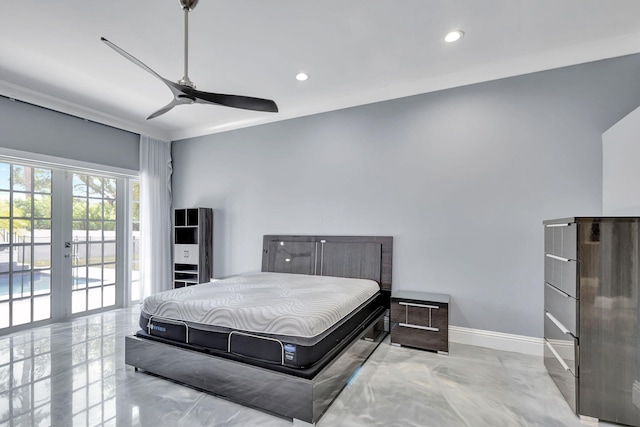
(73,374)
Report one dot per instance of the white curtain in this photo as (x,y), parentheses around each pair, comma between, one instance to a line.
(155,216)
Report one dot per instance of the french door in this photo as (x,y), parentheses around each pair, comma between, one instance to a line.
(62,250)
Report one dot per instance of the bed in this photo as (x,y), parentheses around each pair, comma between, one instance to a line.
(285,340)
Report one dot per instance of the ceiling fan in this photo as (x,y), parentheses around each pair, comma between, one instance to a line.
(184,91)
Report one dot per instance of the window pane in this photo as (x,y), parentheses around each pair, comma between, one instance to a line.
(95,298)
(41,282)
(79,277)
(21,231)
(4,315)
(135,211)
(42,307)
(95,186)
(109,296)
(42,180)
(95,253)
(21,286)
(94,276)
(79,208)
(95,209)
(4,287)
(42,231)
(79,231)
(5,231)
(21,312)
(21,205)
(5,176)
(5,209)
(79,185)
(110,188)
(5,258)
(96,225)
(78,301)
(110,210)
(109,252)
(22,178)
(109,274)
(42,206)
(42,256)
(21,258)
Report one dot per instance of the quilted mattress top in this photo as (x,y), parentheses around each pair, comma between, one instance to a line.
(297,305)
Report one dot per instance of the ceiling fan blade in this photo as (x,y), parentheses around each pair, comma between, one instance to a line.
(138,63)
(164,109)
(235,101)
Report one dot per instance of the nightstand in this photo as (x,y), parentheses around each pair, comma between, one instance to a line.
(421,320)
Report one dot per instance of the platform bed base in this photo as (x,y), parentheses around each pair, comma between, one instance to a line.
(270,391)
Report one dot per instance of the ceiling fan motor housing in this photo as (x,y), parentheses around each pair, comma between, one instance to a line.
(188,4)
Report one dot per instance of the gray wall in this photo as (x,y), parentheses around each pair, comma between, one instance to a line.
(620,171)
(461,178)
(38,130)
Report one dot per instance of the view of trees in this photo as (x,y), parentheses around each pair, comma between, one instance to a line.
(32,200)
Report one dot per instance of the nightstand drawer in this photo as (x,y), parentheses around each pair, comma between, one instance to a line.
(428,316)
(420,323)
(420,338)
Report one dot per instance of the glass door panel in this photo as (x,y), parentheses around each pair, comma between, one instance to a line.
(94,242)
(25,244)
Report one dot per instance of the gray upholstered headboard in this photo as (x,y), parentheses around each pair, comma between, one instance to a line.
(362,257)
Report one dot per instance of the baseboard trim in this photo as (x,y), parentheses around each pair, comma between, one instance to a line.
(497,340)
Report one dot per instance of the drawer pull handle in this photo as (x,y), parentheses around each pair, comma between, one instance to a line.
(555,353)
(429,308)
(559,258)
(426,328)
(411,304)
(558,324)
(564,294)
(558,225)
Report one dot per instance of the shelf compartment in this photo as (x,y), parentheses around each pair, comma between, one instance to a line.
(192,217)
(186,268)
(180,218)
(186,236)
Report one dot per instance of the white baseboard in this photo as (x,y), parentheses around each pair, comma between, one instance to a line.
(497,340)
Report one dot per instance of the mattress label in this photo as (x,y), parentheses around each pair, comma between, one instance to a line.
(157,328)
(290,353)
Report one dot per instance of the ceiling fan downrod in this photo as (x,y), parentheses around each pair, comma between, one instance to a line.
(187,6)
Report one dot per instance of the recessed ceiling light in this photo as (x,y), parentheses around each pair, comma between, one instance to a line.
(454,36)
(302,77)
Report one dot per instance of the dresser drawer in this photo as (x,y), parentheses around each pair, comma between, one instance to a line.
(561,375)
(562,306)
(423,325)
(564,344)
(561,240)
(561,273)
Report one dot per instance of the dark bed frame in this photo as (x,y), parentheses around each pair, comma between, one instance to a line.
(303,400)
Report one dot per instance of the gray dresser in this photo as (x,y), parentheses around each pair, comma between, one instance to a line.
(591,316)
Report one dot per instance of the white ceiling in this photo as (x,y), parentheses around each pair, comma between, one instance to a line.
(355,51)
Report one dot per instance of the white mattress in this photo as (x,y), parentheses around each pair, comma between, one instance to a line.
(296,305)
